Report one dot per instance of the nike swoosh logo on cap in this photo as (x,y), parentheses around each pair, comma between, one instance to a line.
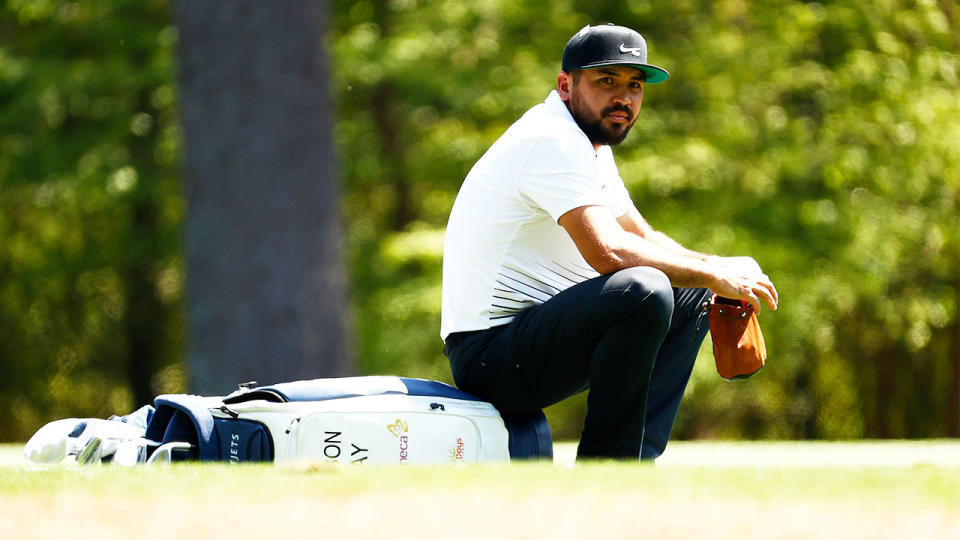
(632,50)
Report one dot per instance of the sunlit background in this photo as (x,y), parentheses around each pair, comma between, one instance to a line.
(821,138)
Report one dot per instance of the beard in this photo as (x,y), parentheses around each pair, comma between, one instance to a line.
(593,127)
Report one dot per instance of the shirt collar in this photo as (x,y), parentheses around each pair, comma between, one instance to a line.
(558,107)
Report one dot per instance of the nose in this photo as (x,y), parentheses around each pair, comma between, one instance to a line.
(623,98)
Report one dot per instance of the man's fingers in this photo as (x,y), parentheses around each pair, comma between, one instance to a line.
(776,295)
(766,295)
(768,285)
(755,291)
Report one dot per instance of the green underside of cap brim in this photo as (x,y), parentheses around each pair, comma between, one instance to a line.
(653,74)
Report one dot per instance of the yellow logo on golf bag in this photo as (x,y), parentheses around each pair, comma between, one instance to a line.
(398,427)
(456,453)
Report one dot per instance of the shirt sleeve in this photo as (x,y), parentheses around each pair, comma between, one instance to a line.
(561,174)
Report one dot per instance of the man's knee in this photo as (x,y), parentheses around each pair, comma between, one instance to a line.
(646,289)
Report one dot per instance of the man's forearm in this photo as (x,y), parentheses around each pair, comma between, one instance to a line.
(633,223)
(685,268)
(732,277)
(664,241)
(610,245)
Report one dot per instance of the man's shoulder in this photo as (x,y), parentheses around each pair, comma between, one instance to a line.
(545,138)
(546,131)
(547,121)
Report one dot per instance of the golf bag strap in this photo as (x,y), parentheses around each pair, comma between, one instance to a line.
(185,418)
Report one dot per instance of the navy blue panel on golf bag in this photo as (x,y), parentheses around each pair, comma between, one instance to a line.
(186,418)
(243,440)
(530,436)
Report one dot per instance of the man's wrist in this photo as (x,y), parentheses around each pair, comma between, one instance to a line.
(704,273)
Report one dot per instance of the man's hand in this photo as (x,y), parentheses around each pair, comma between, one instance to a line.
(741,278)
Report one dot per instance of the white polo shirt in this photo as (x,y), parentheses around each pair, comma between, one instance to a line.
(504,251)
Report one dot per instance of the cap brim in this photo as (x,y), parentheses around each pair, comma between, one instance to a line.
(652,73)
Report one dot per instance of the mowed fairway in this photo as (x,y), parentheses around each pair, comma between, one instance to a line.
(697,490)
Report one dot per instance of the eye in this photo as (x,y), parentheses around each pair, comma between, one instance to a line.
(606,80)
(635,85)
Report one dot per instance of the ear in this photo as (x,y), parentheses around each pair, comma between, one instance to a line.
(564,84)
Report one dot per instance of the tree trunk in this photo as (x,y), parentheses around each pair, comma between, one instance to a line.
(266,292)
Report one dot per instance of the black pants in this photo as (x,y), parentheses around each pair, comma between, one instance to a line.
(629,337)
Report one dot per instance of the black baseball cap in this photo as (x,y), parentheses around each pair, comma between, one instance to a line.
(610,45)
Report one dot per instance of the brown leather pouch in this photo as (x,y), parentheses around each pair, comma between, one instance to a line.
(738,345)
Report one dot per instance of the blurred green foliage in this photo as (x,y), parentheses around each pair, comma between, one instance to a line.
(820,138)
(90,207)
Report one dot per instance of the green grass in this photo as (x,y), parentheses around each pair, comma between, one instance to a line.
(904,489)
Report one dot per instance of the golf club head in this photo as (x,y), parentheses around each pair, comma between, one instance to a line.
(164,454)
(91,453)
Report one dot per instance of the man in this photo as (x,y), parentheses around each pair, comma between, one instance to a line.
(553,283)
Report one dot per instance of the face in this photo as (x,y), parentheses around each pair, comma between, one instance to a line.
(604,101)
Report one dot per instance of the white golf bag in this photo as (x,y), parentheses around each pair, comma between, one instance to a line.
(353,420)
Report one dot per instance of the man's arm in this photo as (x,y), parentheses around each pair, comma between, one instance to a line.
(609,245)
(633,222)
